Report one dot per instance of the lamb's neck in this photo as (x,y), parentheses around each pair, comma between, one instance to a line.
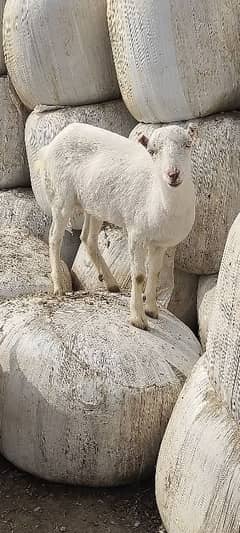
(175,200)
(175,204)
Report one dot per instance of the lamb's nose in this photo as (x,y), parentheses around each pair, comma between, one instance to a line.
(173,174)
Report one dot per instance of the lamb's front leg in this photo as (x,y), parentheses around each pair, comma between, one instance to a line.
(59,221)
(155,263)
(137,252)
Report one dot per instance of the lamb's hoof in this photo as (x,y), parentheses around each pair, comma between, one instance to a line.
(153,313)
(114,288)
(139,323)
(58,291)
(100,277)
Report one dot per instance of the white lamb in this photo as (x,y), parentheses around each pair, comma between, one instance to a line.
(145,187)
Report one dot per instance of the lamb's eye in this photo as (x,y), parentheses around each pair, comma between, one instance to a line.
(187,144)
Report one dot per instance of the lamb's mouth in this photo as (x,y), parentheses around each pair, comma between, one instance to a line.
(174,184)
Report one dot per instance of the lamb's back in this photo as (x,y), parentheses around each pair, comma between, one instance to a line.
(80,140)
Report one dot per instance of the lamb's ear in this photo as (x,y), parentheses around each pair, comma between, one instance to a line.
(192,131)
(142,139)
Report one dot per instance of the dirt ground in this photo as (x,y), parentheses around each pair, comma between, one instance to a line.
(30,505)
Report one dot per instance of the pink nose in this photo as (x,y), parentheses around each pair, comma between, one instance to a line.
(173,174)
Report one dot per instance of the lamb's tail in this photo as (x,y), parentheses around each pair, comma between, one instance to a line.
(40,164)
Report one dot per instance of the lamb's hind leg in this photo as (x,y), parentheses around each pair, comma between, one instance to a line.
(85,228)
(89,236)
(60,217)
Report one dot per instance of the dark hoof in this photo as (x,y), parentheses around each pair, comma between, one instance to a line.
(114,288)
(152,314)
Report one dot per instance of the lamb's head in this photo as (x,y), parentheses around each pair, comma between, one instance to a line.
(170,149)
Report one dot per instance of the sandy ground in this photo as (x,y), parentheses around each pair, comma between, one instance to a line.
(30,505)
